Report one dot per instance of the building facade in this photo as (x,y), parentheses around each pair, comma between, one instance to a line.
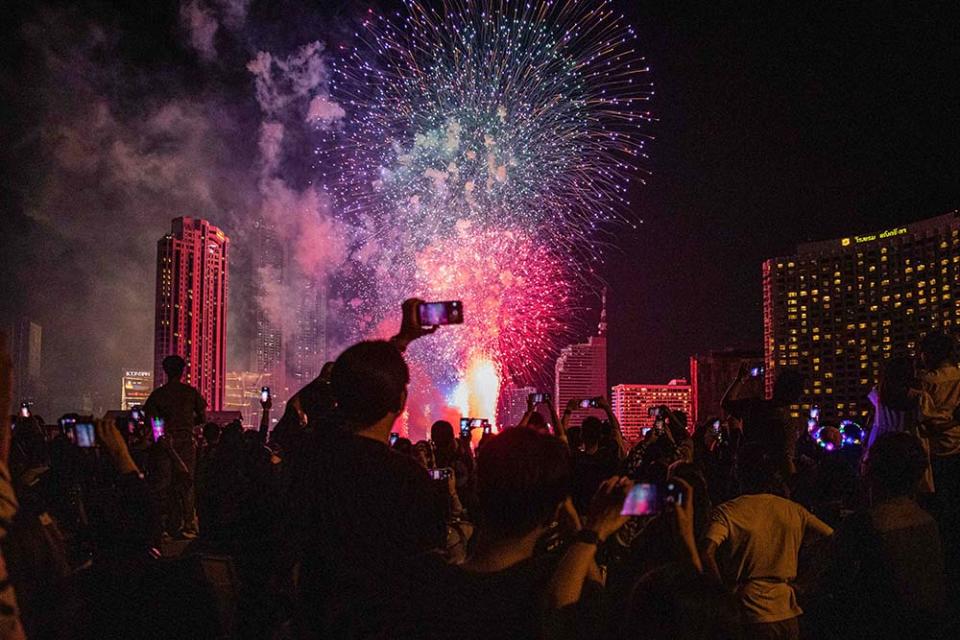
(269,348)
(191,305)
(135,388)
(836,309)
(307,344)
(631,404)
(25,349)
(581,371)
(710,375)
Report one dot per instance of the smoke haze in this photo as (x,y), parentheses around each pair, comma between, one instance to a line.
(117,133)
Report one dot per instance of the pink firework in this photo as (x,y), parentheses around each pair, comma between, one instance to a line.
(517,295)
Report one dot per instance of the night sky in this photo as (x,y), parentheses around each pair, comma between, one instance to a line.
(779,123)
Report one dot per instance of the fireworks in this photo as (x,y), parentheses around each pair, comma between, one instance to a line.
(487,145)
(517,295)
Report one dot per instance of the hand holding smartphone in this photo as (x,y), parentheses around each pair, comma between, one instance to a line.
(440,474)
(264,394)
(590,403)
(85,434)
(159,428)
(650,499)
(539,398)
(435,314)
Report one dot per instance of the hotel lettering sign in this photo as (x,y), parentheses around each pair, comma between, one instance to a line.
(889,233)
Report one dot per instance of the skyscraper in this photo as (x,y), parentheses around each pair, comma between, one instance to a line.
(631,404)
(135,388)
(710,375)
(581,370)
(307,344)
(192,305)
(25,350)
(836,309)
(270,276)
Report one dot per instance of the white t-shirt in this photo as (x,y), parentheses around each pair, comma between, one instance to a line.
(887,420)
(758,538)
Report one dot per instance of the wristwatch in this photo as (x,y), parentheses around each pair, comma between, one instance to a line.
(587,536)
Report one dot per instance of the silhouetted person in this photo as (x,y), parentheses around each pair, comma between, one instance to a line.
(505,588)
(361,511)
(181,407)
(888,559)
(939,400)
(592,464)
(768,422)
(455,455)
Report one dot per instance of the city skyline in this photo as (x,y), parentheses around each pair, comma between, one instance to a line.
(775,125)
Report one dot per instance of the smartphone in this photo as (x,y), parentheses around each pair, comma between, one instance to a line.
(264,394)
(465,427)
(136,413)
(715,427)
(158,428)
(24,409)
(439,474)
(85,434)
(653,412)
(434,314)
(650,499)
(538,398)
(477,423)
(488,428)
(394,436)
(644,431)
(591,403)
(756,372)
(815,412)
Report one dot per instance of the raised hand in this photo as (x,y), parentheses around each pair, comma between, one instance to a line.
(410,328)
(113,443)
(603,514)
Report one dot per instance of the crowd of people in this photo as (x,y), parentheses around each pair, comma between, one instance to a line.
(332,525)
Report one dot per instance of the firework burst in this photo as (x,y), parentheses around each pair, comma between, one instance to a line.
(526,114)
(491,141)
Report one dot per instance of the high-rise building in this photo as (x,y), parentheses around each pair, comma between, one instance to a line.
(27,339)
(307,344)
(192,305)
(710,375)
(512,405)
(268,349)
(581,371)
(631,404)
(836,309)
(135,388)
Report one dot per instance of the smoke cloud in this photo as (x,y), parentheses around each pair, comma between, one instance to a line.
(116,136)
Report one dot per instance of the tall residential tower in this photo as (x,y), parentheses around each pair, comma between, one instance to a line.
(581,371)
(191,309)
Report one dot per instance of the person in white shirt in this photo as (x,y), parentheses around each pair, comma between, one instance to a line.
(758,537)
